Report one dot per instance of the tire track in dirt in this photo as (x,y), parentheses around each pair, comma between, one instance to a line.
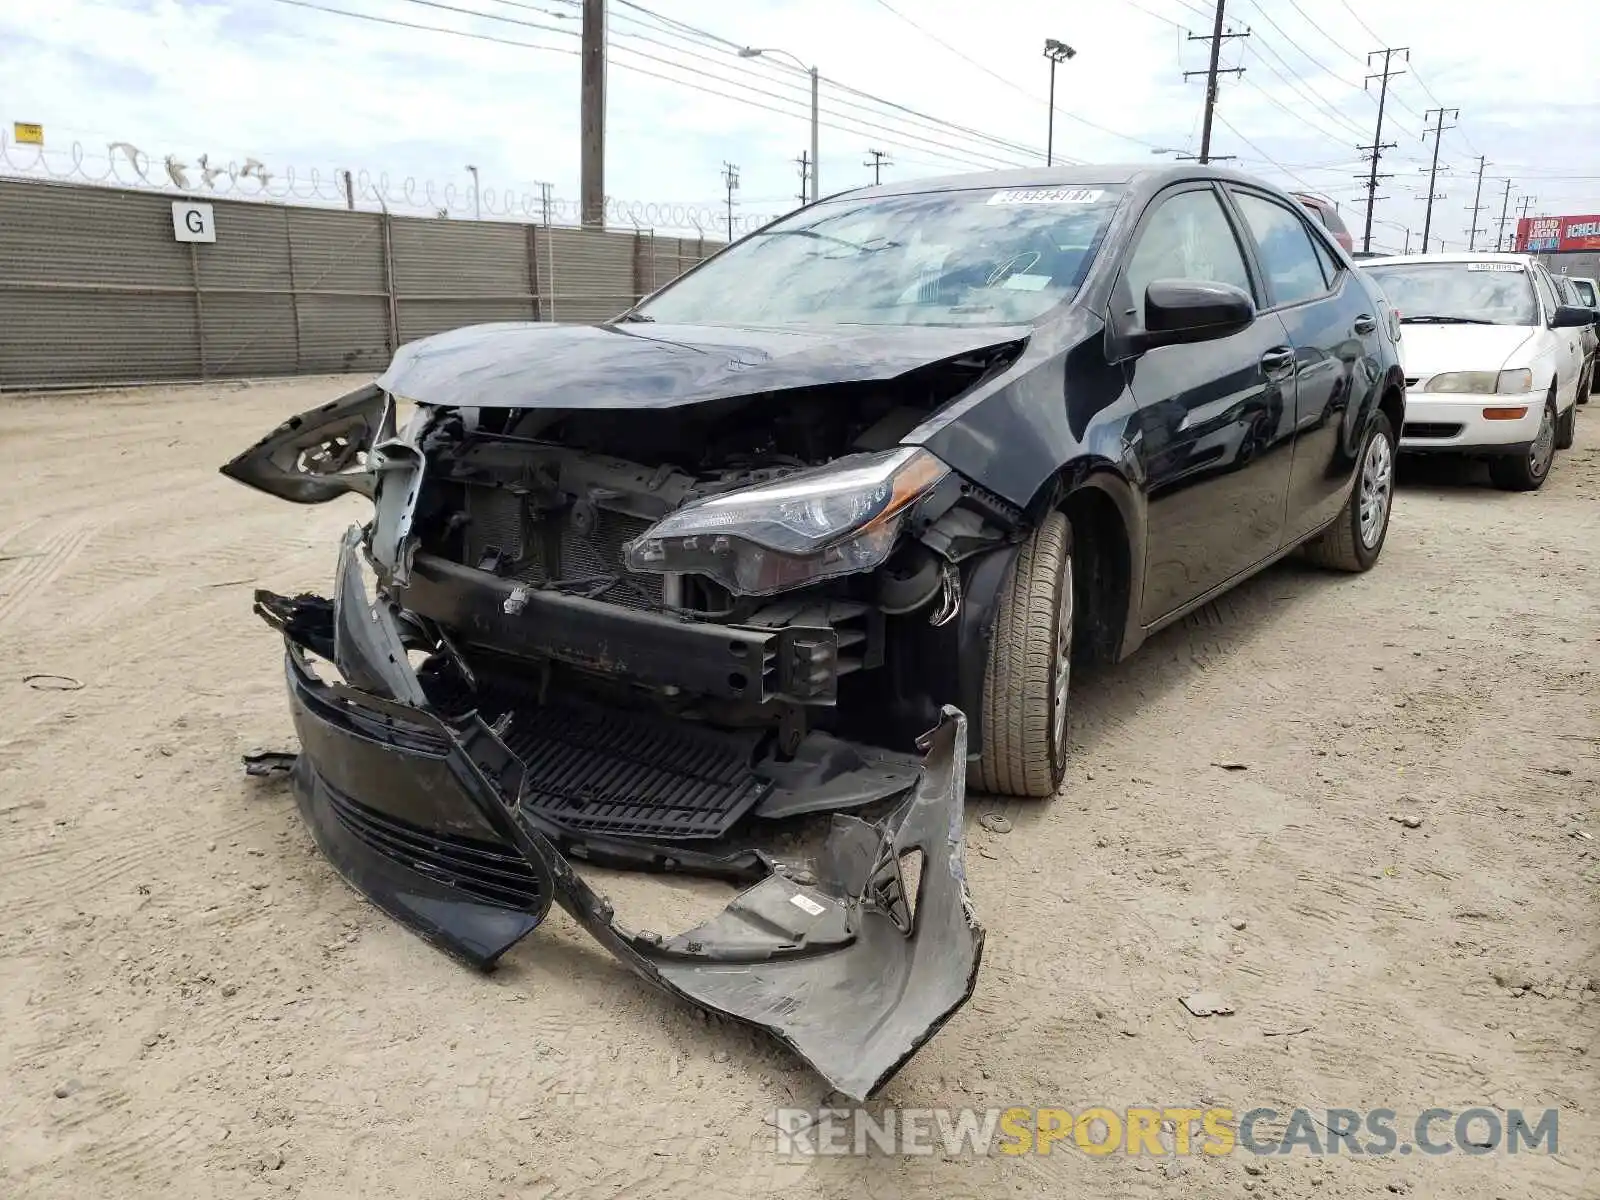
(55,556)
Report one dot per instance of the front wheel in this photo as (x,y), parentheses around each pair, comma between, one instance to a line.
(1354,541)
(1029,673)
(1567,428)
(1527,472)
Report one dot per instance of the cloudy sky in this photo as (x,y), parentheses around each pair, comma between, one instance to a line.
(306,87)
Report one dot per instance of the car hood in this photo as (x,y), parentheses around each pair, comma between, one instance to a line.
(639,365)
(1430,349)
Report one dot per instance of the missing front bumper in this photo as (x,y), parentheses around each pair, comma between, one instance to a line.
(425,814)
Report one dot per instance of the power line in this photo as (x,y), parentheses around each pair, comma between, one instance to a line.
(965,157)
(1365,28)
(1010,83)
(439,4)
(1340,45)
(1301,89)
(725,48)
(703,37)
(1265,156)
(1321,66)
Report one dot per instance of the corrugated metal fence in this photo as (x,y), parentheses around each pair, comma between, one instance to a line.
(95,290)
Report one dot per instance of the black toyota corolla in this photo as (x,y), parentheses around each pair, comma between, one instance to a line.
(820,527)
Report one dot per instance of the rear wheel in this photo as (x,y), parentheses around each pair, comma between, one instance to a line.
(1028,678)
(1354,541)
(1527,472)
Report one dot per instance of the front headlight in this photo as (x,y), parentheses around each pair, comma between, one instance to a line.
(1473,382)
(1482,383)
(814,525)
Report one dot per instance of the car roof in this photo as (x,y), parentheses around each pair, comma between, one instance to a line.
(1464,256)
(1142,176)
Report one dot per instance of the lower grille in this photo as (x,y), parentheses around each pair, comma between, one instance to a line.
(1430,429)
(491,872)
(497,525)
(594,770)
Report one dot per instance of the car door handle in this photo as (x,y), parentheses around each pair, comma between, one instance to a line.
(1365,325)
(1278,362)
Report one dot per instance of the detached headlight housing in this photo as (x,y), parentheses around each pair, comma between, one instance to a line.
(813,525)
(1482,383)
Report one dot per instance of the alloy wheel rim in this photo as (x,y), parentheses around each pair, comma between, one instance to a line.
(1544,446)
(1377,486)
(1063,671)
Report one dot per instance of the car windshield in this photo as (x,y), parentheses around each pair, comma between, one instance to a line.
(1585,291)
(1476,293)
(989,257)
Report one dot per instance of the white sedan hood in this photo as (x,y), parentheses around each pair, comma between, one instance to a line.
(1430,349)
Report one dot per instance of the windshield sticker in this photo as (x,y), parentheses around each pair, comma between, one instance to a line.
(1491,266)
(1026,283)
(1060,195)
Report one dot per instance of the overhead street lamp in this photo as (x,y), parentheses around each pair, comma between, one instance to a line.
(477,208)
(1056,52)
(757,52)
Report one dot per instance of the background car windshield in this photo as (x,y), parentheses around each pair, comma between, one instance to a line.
(1491,292)
(1585,291)
(989,257)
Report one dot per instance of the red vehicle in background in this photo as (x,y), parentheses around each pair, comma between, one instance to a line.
(1329,216)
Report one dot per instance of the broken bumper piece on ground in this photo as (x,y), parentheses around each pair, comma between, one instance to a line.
(423,812)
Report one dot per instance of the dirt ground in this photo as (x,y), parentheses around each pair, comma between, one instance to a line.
(195,1005)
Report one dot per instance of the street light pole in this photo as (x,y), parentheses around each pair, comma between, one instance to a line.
(816,162)
(1056,52)
(477,208)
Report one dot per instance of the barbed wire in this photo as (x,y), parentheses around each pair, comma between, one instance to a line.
(125,165)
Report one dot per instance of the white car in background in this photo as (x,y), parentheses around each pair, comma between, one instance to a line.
(1493,360)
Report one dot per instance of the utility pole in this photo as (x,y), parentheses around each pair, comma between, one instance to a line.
(1477,206)
(1438,136)
(1057,52)
(1527,203)
(1408,239)
(349,191)
(804,163)
(545,203)
(1505,206)
(592,115)
(730,179)
(878,161)
(1211,72)
(1378,144)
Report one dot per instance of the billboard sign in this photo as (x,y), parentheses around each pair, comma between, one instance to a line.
(1557,235)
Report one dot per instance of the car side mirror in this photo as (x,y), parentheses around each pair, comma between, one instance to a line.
(1570,316)
(1182,311)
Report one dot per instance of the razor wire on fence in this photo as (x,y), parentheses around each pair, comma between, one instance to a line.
(125,165)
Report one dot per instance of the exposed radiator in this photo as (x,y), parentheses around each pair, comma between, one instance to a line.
(497,524)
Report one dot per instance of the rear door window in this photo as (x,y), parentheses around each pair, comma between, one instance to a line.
(1294,273)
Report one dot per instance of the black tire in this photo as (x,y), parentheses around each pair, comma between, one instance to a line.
(1343,546)
(1567,428)
(1527,472)
(1024,748)
(1587,385)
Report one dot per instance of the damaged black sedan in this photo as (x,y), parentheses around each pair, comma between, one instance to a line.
(819,528)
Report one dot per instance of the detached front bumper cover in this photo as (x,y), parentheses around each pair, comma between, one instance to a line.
(420,811)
